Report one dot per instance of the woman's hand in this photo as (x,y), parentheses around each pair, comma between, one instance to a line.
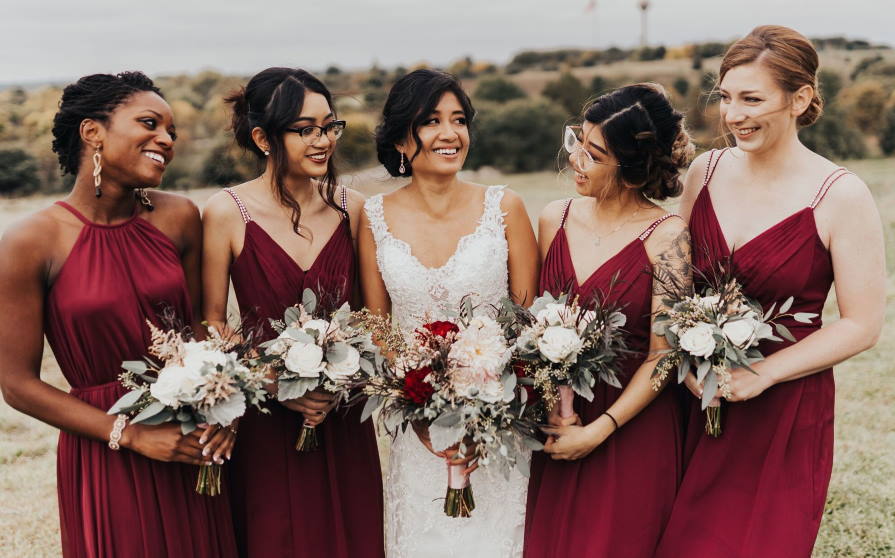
(165,442)
(314,405)
(218,442)
(556,420)
(574,442)
(745,384)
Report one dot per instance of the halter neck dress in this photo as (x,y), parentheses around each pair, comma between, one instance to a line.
(615,501)
(759,489)
(326,502)
(119,503)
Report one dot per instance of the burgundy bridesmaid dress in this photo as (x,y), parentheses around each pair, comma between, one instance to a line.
(614,502)
(759,489)
(327,502)
(118,503)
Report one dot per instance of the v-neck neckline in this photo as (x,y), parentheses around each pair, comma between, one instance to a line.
(285,253)
(568,254)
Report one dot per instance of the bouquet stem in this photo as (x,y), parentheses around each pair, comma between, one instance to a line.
(713,421)
(209,481)
(566,400)
(458,501)
(307,439)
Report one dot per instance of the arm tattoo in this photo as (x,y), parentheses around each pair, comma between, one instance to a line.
(673,271)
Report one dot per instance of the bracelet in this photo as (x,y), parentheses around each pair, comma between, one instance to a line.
(117,429)
(612,418)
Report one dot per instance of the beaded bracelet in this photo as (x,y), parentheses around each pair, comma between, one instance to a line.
(612,418)
(117,429)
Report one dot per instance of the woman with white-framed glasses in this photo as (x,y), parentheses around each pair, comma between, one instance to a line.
(289,229)
(606,481)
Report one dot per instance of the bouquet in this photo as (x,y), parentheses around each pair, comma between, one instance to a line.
(315,352)
(716,331)
(456,377)
(191,382)
(566,346)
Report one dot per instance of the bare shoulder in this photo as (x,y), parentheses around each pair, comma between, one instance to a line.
(511,202)
(31,238)
(670,236)
(221,208)
(551,215)
(848,191)
(356,202)
(177,205)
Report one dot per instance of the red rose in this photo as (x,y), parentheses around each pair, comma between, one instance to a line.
(415,388)
(519,370)
(441,329)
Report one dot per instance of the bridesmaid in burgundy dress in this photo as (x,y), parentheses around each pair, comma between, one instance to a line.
(289,229)
(88,272)
(796,221)
(615,467)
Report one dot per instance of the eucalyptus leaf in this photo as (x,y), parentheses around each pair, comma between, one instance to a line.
(293,389)
(291,316)
(786,305)
(126,402)
(582,389)
(610,379)
(336,353)
(682,368)
(804,317)
(309,301)
(151,410)
(367,367)
(702,370)
(509,387)
(370,406)
(187,426)
(709,389)
(447,420)
(164,416)
(784,332)
(135,366)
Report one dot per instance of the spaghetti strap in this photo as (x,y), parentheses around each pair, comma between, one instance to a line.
(827,183)
(344,199)
(242,208)
(649,230)
(74,212)
(565,214)
(710,167)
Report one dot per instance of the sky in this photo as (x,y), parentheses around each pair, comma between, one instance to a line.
(57,40)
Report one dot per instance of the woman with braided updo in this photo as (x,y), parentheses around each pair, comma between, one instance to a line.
(88,272)
(606,481)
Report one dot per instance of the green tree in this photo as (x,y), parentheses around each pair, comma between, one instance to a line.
(887,136)
(832,137)
(568,91)
(600,85)
(498,90)
(830,84)
(520,136)
(865,103)
(18,172)
(356,147)
(221,168)
(681,85)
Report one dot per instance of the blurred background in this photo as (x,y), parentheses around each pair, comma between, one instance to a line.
(529,67)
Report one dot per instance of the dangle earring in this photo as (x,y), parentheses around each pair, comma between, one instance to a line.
(401,168)
(143,198)
(97,169)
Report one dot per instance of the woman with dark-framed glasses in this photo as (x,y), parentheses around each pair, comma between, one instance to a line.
(290,229)
(606,481)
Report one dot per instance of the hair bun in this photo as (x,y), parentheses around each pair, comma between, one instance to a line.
(682,150)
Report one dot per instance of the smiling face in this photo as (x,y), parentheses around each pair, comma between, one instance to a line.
(137,141)
(757,111)
(444,137)
(597,180)
(310,160)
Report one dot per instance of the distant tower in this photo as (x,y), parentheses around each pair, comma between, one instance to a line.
(644,6)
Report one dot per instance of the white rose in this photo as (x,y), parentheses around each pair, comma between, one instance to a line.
(740,332)
(175,383)
(198,355)
(280,346)
(322,326)
(555,315)
(305,359)
(491,392)
(346,367)
(698,340)
(558,344)
(708,302)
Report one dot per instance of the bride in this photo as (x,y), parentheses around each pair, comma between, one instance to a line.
(423,248)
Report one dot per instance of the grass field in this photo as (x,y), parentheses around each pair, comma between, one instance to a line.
(859,519)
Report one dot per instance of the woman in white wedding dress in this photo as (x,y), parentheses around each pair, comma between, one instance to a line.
(422,248)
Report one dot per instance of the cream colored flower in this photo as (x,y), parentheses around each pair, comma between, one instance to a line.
(559,344)
(698,340)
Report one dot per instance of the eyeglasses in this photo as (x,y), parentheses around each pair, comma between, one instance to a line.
(311,134)
(581,157)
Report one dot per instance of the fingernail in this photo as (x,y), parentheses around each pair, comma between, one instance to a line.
(205,451)
(228,457)
(218,460)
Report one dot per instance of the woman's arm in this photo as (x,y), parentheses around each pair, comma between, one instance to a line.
(23,288)
(375,294)
(221,222)
(523,262)
(693,182)
(669,252)
(859,267)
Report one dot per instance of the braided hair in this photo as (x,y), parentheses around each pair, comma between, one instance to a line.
(646,135)
(92,97)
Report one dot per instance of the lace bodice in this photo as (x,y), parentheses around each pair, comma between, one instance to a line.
(478,266)
(416,481)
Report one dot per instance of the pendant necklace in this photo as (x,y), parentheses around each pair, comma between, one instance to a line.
(599,238)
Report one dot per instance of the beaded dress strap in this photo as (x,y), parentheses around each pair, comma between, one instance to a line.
(710,168)
(242,208)
(827,184)
(649,230)
(565,214)
(345,199)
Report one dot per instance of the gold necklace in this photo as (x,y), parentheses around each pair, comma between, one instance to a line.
(599,238)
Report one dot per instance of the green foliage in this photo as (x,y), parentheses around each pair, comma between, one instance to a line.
(18,172)
(333,71)
(600,85)
(221,168)
(651,53)
(520,136)
(865,103)
(498,90)
(832,137)
(356,147)
(568,91)
(887,136)
(710,50)
(681,85)
(864,64)
(830,84)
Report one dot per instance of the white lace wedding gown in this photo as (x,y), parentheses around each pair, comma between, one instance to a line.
(416,526)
